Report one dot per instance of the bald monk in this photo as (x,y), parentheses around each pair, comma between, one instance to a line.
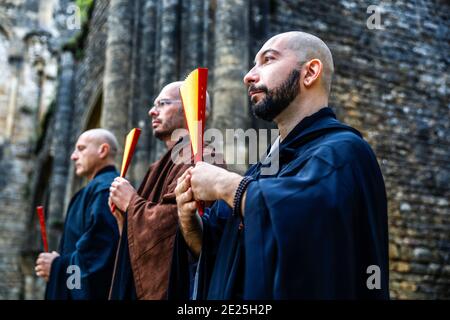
(83,267)
(147,217)
(314,228)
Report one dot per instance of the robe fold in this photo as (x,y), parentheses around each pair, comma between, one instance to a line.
(313,230)
(89,242)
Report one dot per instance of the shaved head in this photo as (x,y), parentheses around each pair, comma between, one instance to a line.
(94,150)
(308,47)
(174,89)
(100,136)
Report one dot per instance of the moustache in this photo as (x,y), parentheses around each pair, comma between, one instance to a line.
(253,88)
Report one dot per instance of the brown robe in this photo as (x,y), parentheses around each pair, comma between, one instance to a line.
(152,223)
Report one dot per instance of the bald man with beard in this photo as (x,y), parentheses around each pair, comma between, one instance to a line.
(83,267)
(315,228)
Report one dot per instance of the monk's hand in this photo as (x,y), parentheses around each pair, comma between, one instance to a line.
(44,264)
(185,199)
(121,192)
(211,183)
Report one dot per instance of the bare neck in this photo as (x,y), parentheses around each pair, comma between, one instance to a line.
(99,167)
(171,140)
(297,111)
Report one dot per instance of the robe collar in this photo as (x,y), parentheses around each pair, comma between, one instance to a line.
(306,130)
(302,127)
(104,170)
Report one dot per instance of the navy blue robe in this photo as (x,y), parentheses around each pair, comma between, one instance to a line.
(89,241)
(122,286)
(311,231)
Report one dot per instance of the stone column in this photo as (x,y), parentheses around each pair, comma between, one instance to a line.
(192,36)
(230,66)
(116,83)
(147,90)
(60,148)
(16,63)
(259,31)
(167,67)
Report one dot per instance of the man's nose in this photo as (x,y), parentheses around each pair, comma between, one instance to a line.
(251,77)
(153,112)
(73,157)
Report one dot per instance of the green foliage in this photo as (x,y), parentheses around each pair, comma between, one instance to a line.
(85,7)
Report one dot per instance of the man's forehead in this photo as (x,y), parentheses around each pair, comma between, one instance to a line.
(84,139)
(275,45)
(81,141)
(168,93)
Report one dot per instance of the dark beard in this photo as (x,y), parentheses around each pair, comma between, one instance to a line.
(171,124)
(277,99)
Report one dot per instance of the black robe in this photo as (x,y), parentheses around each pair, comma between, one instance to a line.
(311,231)
(122,286)
(89,241)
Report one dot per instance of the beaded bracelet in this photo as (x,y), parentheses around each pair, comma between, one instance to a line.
(240,193)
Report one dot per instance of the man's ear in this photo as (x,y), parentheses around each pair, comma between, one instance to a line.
(313,70)
(103,150)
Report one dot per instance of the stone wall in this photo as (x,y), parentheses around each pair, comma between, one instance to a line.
(30,33)
(87,85)
(390,83)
